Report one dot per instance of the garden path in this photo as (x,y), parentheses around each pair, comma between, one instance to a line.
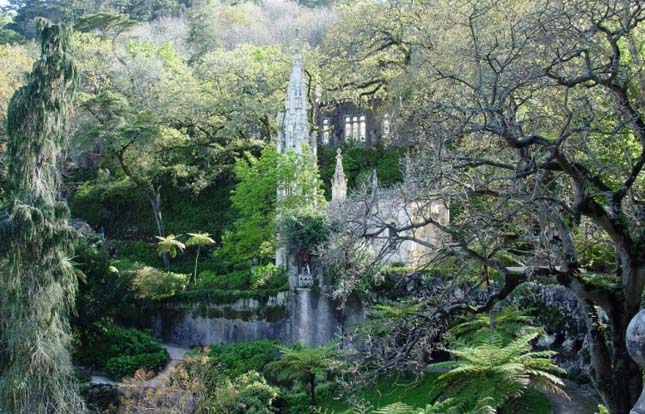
(176,355)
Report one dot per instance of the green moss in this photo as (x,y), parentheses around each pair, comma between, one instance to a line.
(222,296)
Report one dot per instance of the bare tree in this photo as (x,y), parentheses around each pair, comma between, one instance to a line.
(531,115)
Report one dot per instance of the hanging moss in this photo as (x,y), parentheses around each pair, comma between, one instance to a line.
(38,281)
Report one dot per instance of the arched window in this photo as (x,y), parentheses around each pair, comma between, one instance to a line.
(325,132)
(362,132)
(355,127)
(348,128)
(386,125)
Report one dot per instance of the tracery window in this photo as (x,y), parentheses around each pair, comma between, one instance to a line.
(325,132)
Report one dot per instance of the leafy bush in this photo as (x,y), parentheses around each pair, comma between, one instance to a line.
(126,365)
(102,293)
(136,251)
(249,393)
(155,284)
(305,228)
(114,204)
(133,349)
(233,280)
(229,361)
(268,276)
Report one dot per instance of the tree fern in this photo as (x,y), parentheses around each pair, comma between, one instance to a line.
(397,408)
(501,373)
(506,325)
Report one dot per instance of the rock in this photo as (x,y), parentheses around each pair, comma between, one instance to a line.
(546,341)
(82,227)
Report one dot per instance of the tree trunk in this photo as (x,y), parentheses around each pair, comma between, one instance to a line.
(616,376)
(312,388)
(196,260)
(155,202)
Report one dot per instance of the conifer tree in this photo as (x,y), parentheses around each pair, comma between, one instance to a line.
(38,282)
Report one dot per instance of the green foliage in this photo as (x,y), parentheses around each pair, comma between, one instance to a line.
(169,245)
(39,281)
(407,388)
(101,294)
(252,238)
(114,205)
(247,394)
(254,199)
(199,240)
(121,351)
(508,324)
(126,365)
(358,161)
(230,361)
(499,372)
(306,228)
(222,296)
(154,284)
(306,365)
(233,280)
(268,276)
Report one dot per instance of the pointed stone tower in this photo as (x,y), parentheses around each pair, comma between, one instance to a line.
(339,181)
(293,131)
(293,123)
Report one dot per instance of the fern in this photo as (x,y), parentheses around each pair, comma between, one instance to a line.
(500,373)
(507,325)
(397,408)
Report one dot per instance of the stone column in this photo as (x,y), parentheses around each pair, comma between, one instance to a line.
(635,340)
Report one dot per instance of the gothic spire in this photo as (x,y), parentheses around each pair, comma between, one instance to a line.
(293,123)
(339,182)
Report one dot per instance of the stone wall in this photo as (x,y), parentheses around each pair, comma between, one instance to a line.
(308,316)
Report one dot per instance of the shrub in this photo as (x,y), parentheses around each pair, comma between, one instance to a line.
(126,365)
(102,293)
(268,276)
(305,228)
(136,251)
(155,284)
(249,393)
(229,361)
(113,342)
(234,280)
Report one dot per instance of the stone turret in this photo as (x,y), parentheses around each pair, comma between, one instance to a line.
(293,123)
(339,181)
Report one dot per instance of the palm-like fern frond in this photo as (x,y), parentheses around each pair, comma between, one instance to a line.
(501,373)
(397,408)
(169,245)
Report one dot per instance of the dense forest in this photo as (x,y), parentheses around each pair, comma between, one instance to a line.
(322,206)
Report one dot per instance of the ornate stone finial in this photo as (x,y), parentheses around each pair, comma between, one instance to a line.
(635,340)
(298,46)
(339,182)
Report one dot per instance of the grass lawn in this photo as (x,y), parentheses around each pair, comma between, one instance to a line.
(417,392)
